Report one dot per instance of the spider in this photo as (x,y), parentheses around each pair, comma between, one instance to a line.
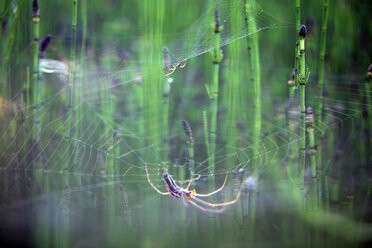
(190,196)
(170,70)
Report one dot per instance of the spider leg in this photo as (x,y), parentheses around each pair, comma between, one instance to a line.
(214,192)
(206,209)
(185,202)
(223,203)
(183,64)
(188,185)
(152,185)
(170,71)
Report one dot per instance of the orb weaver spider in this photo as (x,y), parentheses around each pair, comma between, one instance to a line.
(190,196)
(169,70)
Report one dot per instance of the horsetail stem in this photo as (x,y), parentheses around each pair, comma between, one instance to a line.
(35,20)
(321,62)
(298,25)
(291,84)
(256,77)
(319,110)
(165,95)
(216,60)
(298,15)
(4,71)
(190,143)
(310,130)
(303,77)
(39,87)
(35,73)
(206,133)
(297,64)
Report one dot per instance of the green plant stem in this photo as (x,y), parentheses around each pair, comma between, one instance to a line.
(4,90)
(72,74)
(297,65)
(302,81)
(84,23)
(206,133)
(214,109)
(313,162)
(153,23)
(36,53)
(298,25)
(312,151)
(256,77)
(216,60)
(165,97)
(35,73)
(298,15)
(321,63)
(28,86)
(166,91)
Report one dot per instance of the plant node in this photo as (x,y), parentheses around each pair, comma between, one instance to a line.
(35,11)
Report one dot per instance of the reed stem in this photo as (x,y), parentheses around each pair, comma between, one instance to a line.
(291,85)
(298,15)
(71,111)
(313,153)
(304,76)
(4,89)
(321,63)
(217,57)
(298,26)
(190,145)
(39,87)
(35,73)
(165,95)
(256,77)
(206,134)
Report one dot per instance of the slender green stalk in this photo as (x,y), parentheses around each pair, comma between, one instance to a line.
(190,144)
(319,111)
(255,79)
(312,151)
(165,95)
(84,23)
(206,133)
(36,21)
(310,130)
(298,25)
(256,76)
(216,60)
(35,73)
(291,85)
(28,86)
(321,63)
(153,23)
(297,65)
(4,90)
(302,82)
(39,87)
(298,15)
(71,112)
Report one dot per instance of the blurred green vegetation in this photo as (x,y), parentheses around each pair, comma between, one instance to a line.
(73,151)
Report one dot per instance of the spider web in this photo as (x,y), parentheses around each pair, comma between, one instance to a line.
(122,143)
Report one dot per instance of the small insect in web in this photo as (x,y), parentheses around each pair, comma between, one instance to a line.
(190,196)
(170,70)
(167,67)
